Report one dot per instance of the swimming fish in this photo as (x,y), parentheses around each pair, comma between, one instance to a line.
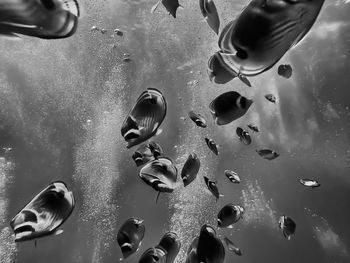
(210,13)
(287,225)
(232,176)
(244,136)
(130,236)
(285,70)
(146,153)
(232,247)
(171,244)
(267,154)
(153,255)
(271,98)
(229,214)
(198,119)
(310,183)
(213,188)
(44,213)
(212,146)
(228,107)
(160,174)
(170,5)
(206,248)
(264,32)
(190,169)
(253,127)
(49,19)
(144,118)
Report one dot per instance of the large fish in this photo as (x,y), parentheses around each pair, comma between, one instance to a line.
(130,236)
(228,107)
(263,33)
(47,19)
(206,248)
(190,169)
(244,136)
(210,13)
(153,255)
(287,225)
(144,118)
(44,213)
(229,214)
(146,153)
(213,188)
(171,244)
(160,174)
(267,154)
(285,70)
(197,119)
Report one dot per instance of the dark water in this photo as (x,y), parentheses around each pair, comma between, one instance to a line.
(63,103)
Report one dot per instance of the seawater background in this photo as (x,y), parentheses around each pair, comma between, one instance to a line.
(63,103)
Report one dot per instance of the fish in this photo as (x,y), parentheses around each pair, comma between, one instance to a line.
(213,188)
(212,146)
(170,5)
(207,248)
(232,176)
(285,70)
(244,136)
(145,117)
(287,225)
(310,183)
(271,98)
(229,214)
(232,247)
(44,214)
(253,127)
(160,174)
(190,169)
(171,244)
(210,13)
(49,19)
(267,154)
(130,236)
(228,107)
(153,255)
(197,119)
(264,31)
(146,153)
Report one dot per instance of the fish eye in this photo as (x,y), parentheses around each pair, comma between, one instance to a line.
(156,258)
(48,4)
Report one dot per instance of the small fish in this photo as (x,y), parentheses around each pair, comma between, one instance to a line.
(232,176)
(285,71)
(118,32)
(310,183)
(206,248)
(171,244)
(210,13)
(267,154)
(197,119)
(44,214)
(244,136)
(170,5)
(130,236)
(213,188)
(287,225)
(253,127)
(153,255)
(232,247)
(144,118)
(212,146)
(228,107)
(263,32)
(146,153)
(229,214)
(160,174)
(50,19)
(271,98)
(190,169)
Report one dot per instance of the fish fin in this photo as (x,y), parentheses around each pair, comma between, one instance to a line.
(154,7)
(58,232)
(157,197)
(244,80)
(221,195)
(35,243)
(159,131)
